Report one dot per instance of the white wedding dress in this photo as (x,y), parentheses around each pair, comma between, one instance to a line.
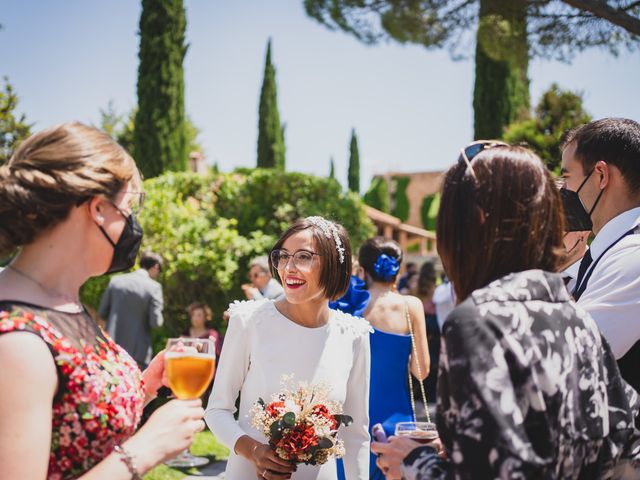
(260,346)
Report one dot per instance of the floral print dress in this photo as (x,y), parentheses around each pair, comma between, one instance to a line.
(528,388)
(100,393)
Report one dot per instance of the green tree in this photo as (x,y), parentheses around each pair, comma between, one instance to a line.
(271,147)
(354,164)
(159,136)
(401,204)
(557,111)
(378,195)
(121,127)
(332,169)
(13,127)
(508,33)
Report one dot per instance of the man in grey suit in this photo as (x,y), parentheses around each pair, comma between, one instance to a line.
(132,306)
(262,284)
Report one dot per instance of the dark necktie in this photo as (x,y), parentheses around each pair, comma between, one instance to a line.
(584,266)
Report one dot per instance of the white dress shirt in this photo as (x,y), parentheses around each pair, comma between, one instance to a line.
(612,295)
(260,346)
(443,300)
(571,272)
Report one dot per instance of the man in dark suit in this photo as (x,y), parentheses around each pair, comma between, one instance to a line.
(132,306)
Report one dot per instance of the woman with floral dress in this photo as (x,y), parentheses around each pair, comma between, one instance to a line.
(528,387)
(70,398)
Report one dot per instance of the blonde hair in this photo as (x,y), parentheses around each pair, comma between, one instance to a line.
(53,171)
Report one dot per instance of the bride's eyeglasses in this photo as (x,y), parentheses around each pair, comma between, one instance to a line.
(302,259)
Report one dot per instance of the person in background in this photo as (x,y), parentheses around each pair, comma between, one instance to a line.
(399,342)
(443,299)
(70,398)
(403,282)
(424,290)
(262,283)
(132,306)
(528,386)
(200,314)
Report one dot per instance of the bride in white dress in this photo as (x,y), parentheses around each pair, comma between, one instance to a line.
(297,335)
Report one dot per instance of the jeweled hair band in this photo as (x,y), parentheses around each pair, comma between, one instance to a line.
(329,230)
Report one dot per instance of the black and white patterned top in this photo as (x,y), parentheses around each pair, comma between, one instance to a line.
(528,388)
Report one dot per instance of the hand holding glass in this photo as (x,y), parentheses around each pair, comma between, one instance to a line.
(189,364)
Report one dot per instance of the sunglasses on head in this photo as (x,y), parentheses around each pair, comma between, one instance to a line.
(468,153)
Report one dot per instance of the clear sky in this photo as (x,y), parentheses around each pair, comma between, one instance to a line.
(411,108)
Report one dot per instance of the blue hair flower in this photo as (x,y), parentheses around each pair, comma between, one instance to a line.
(386,267)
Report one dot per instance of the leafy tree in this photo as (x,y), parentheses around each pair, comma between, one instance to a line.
(429,211)
(557,111)
(13,127)
(378,195)
(121,126)
(271,147)
(508,33)
(332,169)
(354,164)
(159,136)
(401,204)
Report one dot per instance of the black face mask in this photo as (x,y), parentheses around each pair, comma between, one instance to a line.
(126,249)
(577,217)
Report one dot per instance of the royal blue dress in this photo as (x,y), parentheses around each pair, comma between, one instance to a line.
(389,401)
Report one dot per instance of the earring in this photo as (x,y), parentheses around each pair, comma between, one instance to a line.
(100,219)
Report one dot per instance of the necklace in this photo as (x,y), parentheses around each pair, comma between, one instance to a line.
(52,293)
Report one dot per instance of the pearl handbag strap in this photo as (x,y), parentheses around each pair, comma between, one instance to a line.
(415,356)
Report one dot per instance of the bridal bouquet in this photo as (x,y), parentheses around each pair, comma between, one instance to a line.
(301,423)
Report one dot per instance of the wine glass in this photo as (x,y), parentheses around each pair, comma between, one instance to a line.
(422,432)
(189,364)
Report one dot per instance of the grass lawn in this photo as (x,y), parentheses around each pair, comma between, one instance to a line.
(204,445)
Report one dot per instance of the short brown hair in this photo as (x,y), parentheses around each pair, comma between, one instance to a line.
(52,171)
(208,313)
(615,141)
(335,275)
(508,218)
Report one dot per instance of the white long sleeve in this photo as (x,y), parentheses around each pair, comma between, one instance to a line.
(356,436)
(230,376)
(261,346)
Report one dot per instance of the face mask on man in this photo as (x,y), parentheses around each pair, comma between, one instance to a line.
(577,217)
(125,250)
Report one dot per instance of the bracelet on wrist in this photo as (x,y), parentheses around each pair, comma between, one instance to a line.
(129,461)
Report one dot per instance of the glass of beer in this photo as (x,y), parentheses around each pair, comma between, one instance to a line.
(189,364)
(423,432)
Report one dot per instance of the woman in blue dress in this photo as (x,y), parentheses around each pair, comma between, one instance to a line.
(396,319)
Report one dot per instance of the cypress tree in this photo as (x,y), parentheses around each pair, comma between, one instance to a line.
(354,164)
(332,169)
(159,136)
(271,148)
(501,93)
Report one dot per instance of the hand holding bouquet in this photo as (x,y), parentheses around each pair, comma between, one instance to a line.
(301,423)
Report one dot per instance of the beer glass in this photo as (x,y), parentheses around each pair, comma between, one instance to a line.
(423,432)
(189,364)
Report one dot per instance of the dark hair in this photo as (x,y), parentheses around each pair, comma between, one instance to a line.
(426,279)
(615,141)
(51,172)
(372,248)
(508,218)
(335,276)
(149,260)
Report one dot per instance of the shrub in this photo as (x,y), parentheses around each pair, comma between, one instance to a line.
(208,228)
